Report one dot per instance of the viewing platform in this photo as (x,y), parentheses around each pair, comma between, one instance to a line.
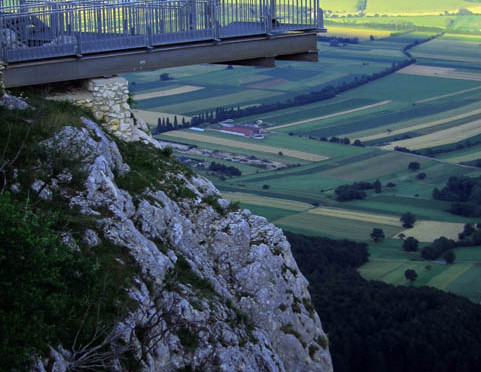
(50,41)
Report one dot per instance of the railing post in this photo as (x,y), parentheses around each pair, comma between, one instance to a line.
(79,44)
(268,15)
(148,25)
(215,20)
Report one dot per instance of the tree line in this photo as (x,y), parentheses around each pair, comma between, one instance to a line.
(165,125)
(224,169)
(330,91)
(356,190)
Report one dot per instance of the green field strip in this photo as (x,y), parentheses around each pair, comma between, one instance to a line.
(474,155)
(249,96)
(310,169)
(378,269)
(341,113)
(309,111)
(469,254)
(304,144)
(418,130)
(397,277)
(449,275)
(468,284)
(234,150)
(406,87)
(358,230)
(385,163)
(277,203)
(301,197)
(384,118)
(405,126)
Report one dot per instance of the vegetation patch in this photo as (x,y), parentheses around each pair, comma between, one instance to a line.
(183,273)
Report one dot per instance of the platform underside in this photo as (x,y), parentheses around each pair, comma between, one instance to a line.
(259,50)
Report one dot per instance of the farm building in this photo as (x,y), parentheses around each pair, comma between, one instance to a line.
(246,130)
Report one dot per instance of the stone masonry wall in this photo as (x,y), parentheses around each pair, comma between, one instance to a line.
(109,102)
(108,99)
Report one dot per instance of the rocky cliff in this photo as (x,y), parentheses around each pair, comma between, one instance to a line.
(214,287)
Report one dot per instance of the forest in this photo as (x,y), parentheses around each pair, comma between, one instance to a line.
(377,327)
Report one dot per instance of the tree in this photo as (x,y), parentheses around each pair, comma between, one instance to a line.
(164,77)
(411,275)
(410,244)
(377,187)
(377,234)
(449,256)
(408,220)
(421,176)
(414,166)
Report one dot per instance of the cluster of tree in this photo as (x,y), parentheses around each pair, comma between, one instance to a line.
(342,141)
(443,247)
(408,220)
(378,327)
(470,237)
(356,190)
(440,247)
(340,40)
(464,193)
(165,125)
(224,169)
(224,113)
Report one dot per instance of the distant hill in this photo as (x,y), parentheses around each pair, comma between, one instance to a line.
(391,7)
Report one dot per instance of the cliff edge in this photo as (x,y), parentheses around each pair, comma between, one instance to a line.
(214,288)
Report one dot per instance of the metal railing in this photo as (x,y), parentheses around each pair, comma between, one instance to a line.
(31,30)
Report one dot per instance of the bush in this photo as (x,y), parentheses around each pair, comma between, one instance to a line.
(377,234)
(47,288)
(414,166)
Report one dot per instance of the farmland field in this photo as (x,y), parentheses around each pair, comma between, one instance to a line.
(434,104)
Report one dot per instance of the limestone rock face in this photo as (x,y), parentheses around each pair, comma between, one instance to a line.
(255,313)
